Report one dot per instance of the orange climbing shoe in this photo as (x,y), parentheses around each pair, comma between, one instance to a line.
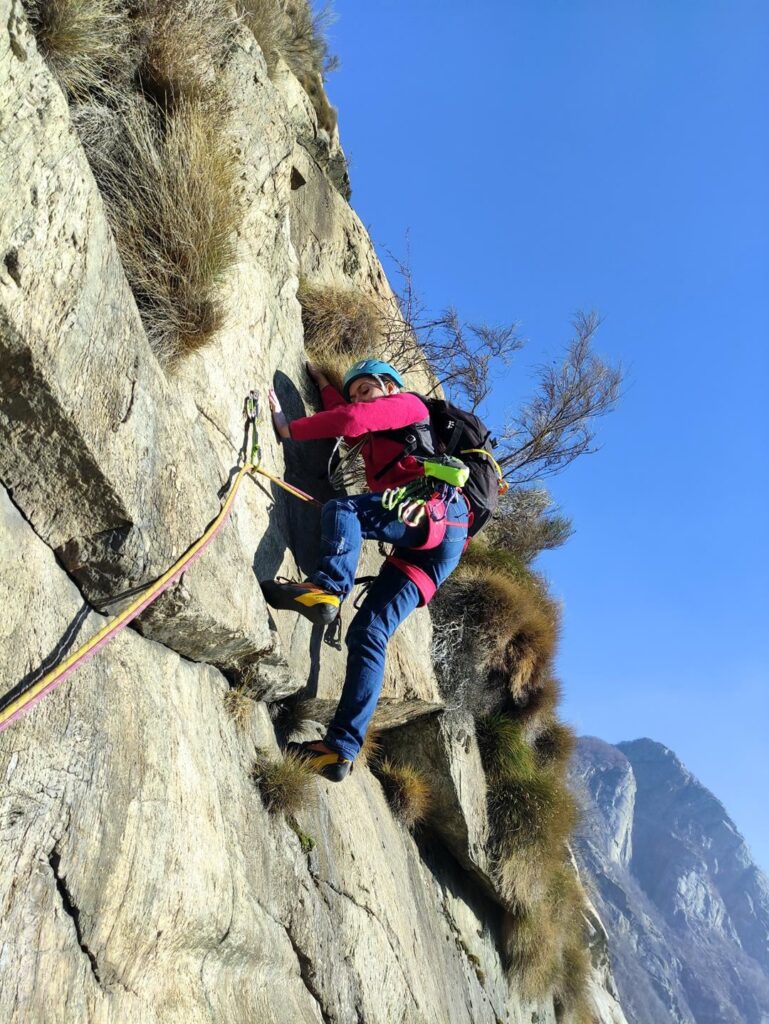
(324,761)
(313,602)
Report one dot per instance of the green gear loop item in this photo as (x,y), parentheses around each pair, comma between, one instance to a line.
(410,499)
(448,469)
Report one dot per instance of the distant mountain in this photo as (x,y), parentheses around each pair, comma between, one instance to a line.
(686,909)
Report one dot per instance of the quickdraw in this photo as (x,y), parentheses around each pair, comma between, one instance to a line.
(444,475)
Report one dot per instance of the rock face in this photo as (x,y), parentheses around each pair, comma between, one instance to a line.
(686,909)
(141,878)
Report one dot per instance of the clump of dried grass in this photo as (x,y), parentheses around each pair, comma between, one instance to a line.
(512,627)
(187,42)
(238,705)
(302,42)
(407,789)
(555,743)
(545,945)
(290,716)
(371,750)
(532,817)
(286,784)
(326,114)
(341,325)
(291,30)
(539,703)
(265,19)
(504,749)
(86,43)
(170,196)
(571,999)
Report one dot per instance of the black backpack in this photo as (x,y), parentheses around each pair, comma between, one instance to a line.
(454,431)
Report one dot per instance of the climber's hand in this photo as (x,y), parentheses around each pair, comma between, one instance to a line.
(317,375)
(278,416)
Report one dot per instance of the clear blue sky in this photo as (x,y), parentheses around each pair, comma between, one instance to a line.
(548,156)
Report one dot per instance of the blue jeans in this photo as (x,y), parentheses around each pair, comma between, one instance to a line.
(345,524)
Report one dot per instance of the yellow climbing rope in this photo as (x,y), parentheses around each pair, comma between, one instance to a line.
(16,703)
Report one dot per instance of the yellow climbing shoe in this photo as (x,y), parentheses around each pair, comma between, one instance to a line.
(328,763)
(313,602)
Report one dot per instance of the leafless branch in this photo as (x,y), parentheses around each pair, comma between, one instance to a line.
(556,425)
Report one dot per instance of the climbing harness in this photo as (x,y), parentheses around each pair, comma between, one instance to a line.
(443,476)
(16,702)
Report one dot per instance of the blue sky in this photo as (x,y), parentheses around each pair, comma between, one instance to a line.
(547,156)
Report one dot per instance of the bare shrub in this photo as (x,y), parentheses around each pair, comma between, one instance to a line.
(556,426)
(407,790)
(170,196)
(462,354)
(86,43)
(286,784)
(527,522)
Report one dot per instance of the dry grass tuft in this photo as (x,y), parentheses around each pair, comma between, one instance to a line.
(571,986)
(480,554)
(531,944)
(532,818)
(290,716)
(504,749)
(555,743)
(303,45)
(86,43)
(341,325)
(546,946)
(291,30)
(286,785)
(170,194)
(515,627)
(407,790)
(265,19)
(187,42)
(239,706)
(326,114)
(371,751)
(539,704)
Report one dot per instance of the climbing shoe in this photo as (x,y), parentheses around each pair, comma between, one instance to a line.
(313,602)
(331,765)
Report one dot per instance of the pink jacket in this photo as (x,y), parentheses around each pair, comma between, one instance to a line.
(355,419)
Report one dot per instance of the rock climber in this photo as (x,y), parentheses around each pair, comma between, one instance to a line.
(372,405)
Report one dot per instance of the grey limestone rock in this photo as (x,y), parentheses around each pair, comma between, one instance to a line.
(142,880)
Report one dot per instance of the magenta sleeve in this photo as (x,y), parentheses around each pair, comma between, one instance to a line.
(359,418)
(330,397)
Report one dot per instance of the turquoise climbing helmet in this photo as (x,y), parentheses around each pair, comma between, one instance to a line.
(369,368)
